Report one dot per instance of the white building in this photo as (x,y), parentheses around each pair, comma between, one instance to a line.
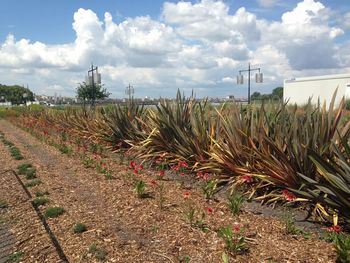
(299,90)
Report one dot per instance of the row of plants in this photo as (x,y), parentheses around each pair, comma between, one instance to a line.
(236,241)
(286,153)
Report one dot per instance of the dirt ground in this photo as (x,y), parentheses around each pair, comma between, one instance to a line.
(124,228)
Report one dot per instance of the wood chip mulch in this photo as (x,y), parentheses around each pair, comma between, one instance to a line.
(124,228)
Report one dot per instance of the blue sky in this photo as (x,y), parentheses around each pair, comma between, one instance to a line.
(160,46)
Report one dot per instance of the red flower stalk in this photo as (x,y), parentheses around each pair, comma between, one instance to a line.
(246,179)
(336,229)
(187,195)
(159,160)
(183,164)
(154,183)
(289,196)
(210,210)
(236,228)
(200,174)
(132,164)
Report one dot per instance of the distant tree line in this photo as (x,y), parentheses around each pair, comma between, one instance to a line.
(277,94)
(14,94)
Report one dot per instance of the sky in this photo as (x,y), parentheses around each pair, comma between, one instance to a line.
(161,46)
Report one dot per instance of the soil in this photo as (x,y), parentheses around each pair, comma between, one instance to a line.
(124,228)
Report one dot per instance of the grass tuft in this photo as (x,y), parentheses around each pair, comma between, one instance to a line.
(53,212)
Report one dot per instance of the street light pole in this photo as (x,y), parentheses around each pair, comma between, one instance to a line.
(92,82)
(129,90)
(258,78)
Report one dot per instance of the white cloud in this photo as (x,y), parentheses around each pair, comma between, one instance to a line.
(268,3)
(198,46)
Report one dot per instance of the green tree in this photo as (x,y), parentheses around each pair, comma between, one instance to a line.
(256,96)
(15,93)
(88,93)
(277,93)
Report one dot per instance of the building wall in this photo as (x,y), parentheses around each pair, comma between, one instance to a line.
(321,87)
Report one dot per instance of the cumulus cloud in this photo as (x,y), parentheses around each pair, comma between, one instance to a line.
(197,46)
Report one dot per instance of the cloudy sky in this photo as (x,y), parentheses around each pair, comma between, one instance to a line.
(160,46)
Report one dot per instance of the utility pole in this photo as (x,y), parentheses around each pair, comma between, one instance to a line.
(129,90)
(92,82)
(258,78)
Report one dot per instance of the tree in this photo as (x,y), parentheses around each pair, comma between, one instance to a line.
(14,94)
(255,96)
(277,93)
(89,93)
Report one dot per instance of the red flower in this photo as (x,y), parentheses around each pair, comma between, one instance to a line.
(336,229)
(236,228)
(159,160)
(140,167)
(289,196)
(136,171)
(154,183)
(200,174)
(182,174)
(132,164)
(206,177)
(161,173)
(187,195)
(183,164)
(175,168)
(246,179)
(210,210)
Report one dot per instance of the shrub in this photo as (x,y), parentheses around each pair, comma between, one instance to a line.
(53,212)
(34,182)
(15,257)
(15,153)
(79,228)
(22,168)
(40,201)
(41,193)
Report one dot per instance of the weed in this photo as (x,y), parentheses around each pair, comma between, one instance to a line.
(99,253)
(9,220)
(140,187)
(342,248)
(31,174)
(40,201)
(290,225)
(7,143)
(108,175)
(22,169)
(41,193)
(88,162)
(33,183)
(234,203)
(225,257)
(3,204)
(209,189)
(234,240)
(79,228)
(53,212)
(15,257)
(65,149)
(185,259)
(161,197)
(15,153)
